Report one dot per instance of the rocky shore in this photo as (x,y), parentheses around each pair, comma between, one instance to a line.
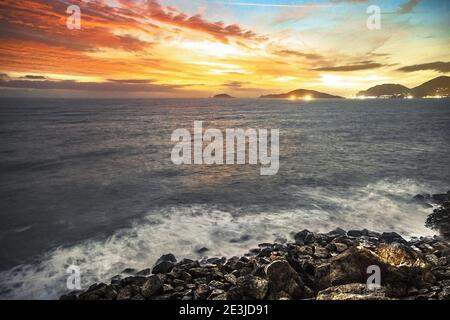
(323,266)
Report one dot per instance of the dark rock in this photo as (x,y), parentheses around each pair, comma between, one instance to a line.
(127,293)
(144,272)
(152,286)
(391,237)
(129,271)
(202,250)
(164,264)
(135,280)
(304,237)
(337,232)
(202,292)
(356,233)
(250,287)
(282,277)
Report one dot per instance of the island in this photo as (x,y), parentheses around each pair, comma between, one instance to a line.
(301,94)
(435,88)
(222,96)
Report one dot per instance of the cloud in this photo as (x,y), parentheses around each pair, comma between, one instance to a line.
(217,29)
(364,65)
(33,77)
(107,86)
(311,56)
(408,7)
(439,66)
(235,84)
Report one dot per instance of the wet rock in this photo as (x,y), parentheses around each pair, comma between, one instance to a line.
(202,250)
(164,264)
(134,280)
(152,286)
(128,292)
(282,277)
(144,272)
(356,233)
(251,287)
(201,292)
(321,253)
(353,291)
(340,247)
(337,232)
(304,237)
(391,237)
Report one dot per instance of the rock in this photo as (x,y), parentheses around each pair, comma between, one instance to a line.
(282,277)
(440,198)
(355,233)
(152,286)
(445,293)
(390,237)
(230,278)
(351,266)
(144,272)
(322,278)
(164,264)
(129,271)
(304,237)
(202,250)
(217,285)
(340,247)
(251,287)
(431,258)
(321,253)
(353,291)
(337,232)
(127,293)
(134,280)
(202,292)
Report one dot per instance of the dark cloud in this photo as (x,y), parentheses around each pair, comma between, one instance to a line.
(235,84)
(439,66)
(364,65)
(407,7)
(311,56)
(108,86)
(33,77)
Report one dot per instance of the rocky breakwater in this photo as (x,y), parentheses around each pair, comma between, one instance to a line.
(311,266)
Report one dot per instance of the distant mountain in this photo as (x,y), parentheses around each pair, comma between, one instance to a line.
(301,93)
(387,89)
(222,95)
(439,86)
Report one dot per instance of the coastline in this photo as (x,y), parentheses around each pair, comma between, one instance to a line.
(323,266)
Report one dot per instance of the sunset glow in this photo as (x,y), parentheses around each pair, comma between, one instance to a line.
(198,48)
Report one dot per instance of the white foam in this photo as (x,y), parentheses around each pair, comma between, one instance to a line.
(180,230)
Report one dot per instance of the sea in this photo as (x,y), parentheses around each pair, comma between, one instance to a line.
(90,182)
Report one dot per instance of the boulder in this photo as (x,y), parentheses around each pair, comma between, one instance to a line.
(152,287)
(164,264)
(353,291)
(251,287)
(304,237)
(282,277)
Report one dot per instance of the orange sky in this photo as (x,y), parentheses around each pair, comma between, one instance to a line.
(200,48)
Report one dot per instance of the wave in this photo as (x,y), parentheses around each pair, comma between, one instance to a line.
(381,206)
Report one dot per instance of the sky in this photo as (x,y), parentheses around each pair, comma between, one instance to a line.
(198,48)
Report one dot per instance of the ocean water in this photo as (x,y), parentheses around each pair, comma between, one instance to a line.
(91,182)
